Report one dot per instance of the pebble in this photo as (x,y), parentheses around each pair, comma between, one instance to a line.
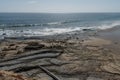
(93,78)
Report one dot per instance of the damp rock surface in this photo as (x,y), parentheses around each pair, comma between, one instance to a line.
(72,59)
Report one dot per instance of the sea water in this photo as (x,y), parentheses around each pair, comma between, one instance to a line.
(45,24)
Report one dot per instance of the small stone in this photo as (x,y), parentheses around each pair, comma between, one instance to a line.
(92,48)
(71,79)
(10,53)
(0,50)
(93,78)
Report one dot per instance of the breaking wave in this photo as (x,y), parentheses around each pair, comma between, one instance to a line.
(46,31)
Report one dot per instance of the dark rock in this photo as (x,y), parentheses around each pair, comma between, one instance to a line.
(87,30)
(4,34)
(33,43)
(34,47)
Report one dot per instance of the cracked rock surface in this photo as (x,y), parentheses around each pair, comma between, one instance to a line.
(73,59)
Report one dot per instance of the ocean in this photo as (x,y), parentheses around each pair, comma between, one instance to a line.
(45,24)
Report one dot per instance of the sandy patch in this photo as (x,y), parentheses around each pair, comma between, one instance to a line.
(96,42)
(111,68)
(4,75)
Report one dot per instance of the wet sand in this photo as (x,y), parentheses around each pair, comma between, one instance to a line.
(89,56)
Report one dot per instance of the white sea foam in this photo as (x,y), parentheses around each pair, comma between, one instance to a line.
(37,32)
(51,31)
(108,26)
(55,23)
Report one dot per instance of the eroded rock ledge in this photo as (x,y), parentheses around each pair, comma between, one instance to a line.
(73,59)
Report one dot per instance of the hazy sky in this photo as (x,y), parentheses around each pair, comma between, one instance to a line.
(59,6)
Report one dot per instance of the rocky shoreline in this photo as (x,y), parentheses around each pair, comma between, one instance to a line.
(74,58)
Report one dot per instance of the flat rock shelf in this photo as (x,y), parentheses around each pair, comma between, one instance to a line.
(71,59)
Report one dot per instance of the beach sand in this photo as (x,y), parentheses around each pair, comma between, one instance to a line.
(91,56)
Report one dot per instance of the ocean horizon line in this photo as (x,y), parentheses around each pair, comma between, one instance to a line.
(60,12)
